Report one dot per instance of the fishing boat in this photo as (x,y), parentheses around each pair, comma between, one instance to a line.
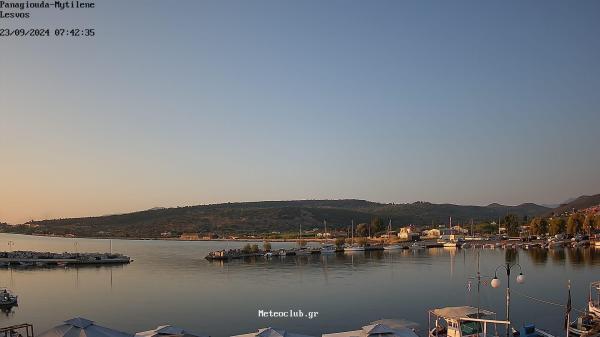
(7,299)
(594,305)
(462,322)
(416,246)
(584,326)
(328,249)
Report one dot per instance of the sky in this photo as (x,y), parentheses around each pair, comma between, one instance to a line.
(189,102)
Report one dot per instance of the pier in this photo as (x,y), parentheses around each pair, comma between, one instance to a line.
(39,259)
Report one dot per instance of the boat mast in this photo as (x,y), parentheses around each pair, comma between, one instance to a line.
(353,232)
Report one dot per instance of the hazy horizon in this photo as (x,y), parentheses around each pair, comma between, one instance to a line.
(194,102)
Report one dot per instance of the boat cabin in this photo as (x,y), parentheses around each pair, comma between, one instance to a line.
(462,322)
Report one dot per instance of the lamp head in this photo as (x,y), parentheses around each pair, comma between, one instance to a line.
(521,278)
(495,282)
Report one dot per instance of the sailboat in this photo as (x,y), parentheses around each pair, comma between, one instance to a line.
(391,246)
(302,250)
(352,247)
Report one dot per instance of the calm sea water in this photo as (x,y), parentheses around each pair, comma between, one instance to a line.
(171,283)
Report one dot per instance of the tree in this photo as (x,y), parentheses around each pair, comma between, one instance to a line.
(512,224)
(589,223)
(538,226)
(534,226)
(574,223)
(376,225)
(486,227)
(362,230)
(247,249)
(543,227)
(339,242)
(557,226)
(362,241)
(254,248)
(267,246)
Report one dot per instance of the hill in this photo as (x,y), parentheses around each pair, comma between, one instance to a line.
(268,216)
(582,202)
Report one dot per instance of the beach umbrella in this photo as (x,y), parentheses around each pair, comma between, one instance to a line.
(397,323)
(271,332)
(81,327)
(169,331)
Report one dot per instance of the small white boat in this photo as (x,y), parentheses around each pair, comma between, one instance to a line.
(416,246)
(328,249)
(450,244)
(7,299)
(597,244)
(354,248)
(269,255)
(392,247)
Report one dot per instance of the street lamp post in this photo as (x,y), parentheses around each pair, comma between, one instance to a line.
(496,283)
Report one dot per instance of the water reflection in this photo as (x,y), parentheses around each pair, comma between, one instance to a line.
(171,282)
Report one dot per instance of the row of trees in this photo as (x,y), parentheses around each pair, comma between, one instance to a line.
(576,223)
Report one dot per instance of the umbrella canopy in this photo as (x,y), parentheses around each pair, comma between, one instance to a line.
(81,327)
(397,323)
(375,330)
(271,332)
(169,331)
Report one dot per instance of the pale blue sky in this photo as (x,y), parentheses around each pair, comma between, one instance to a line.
(188,102)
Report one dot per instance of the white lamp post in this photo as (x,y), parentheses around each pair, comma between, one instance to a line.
(496,283)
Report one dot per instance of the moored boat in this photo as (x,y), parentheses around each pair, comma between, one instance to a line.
(462,322)
(584,326)
(328,249)
(354,248)
(594,304)
(392,247)
(7,299)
